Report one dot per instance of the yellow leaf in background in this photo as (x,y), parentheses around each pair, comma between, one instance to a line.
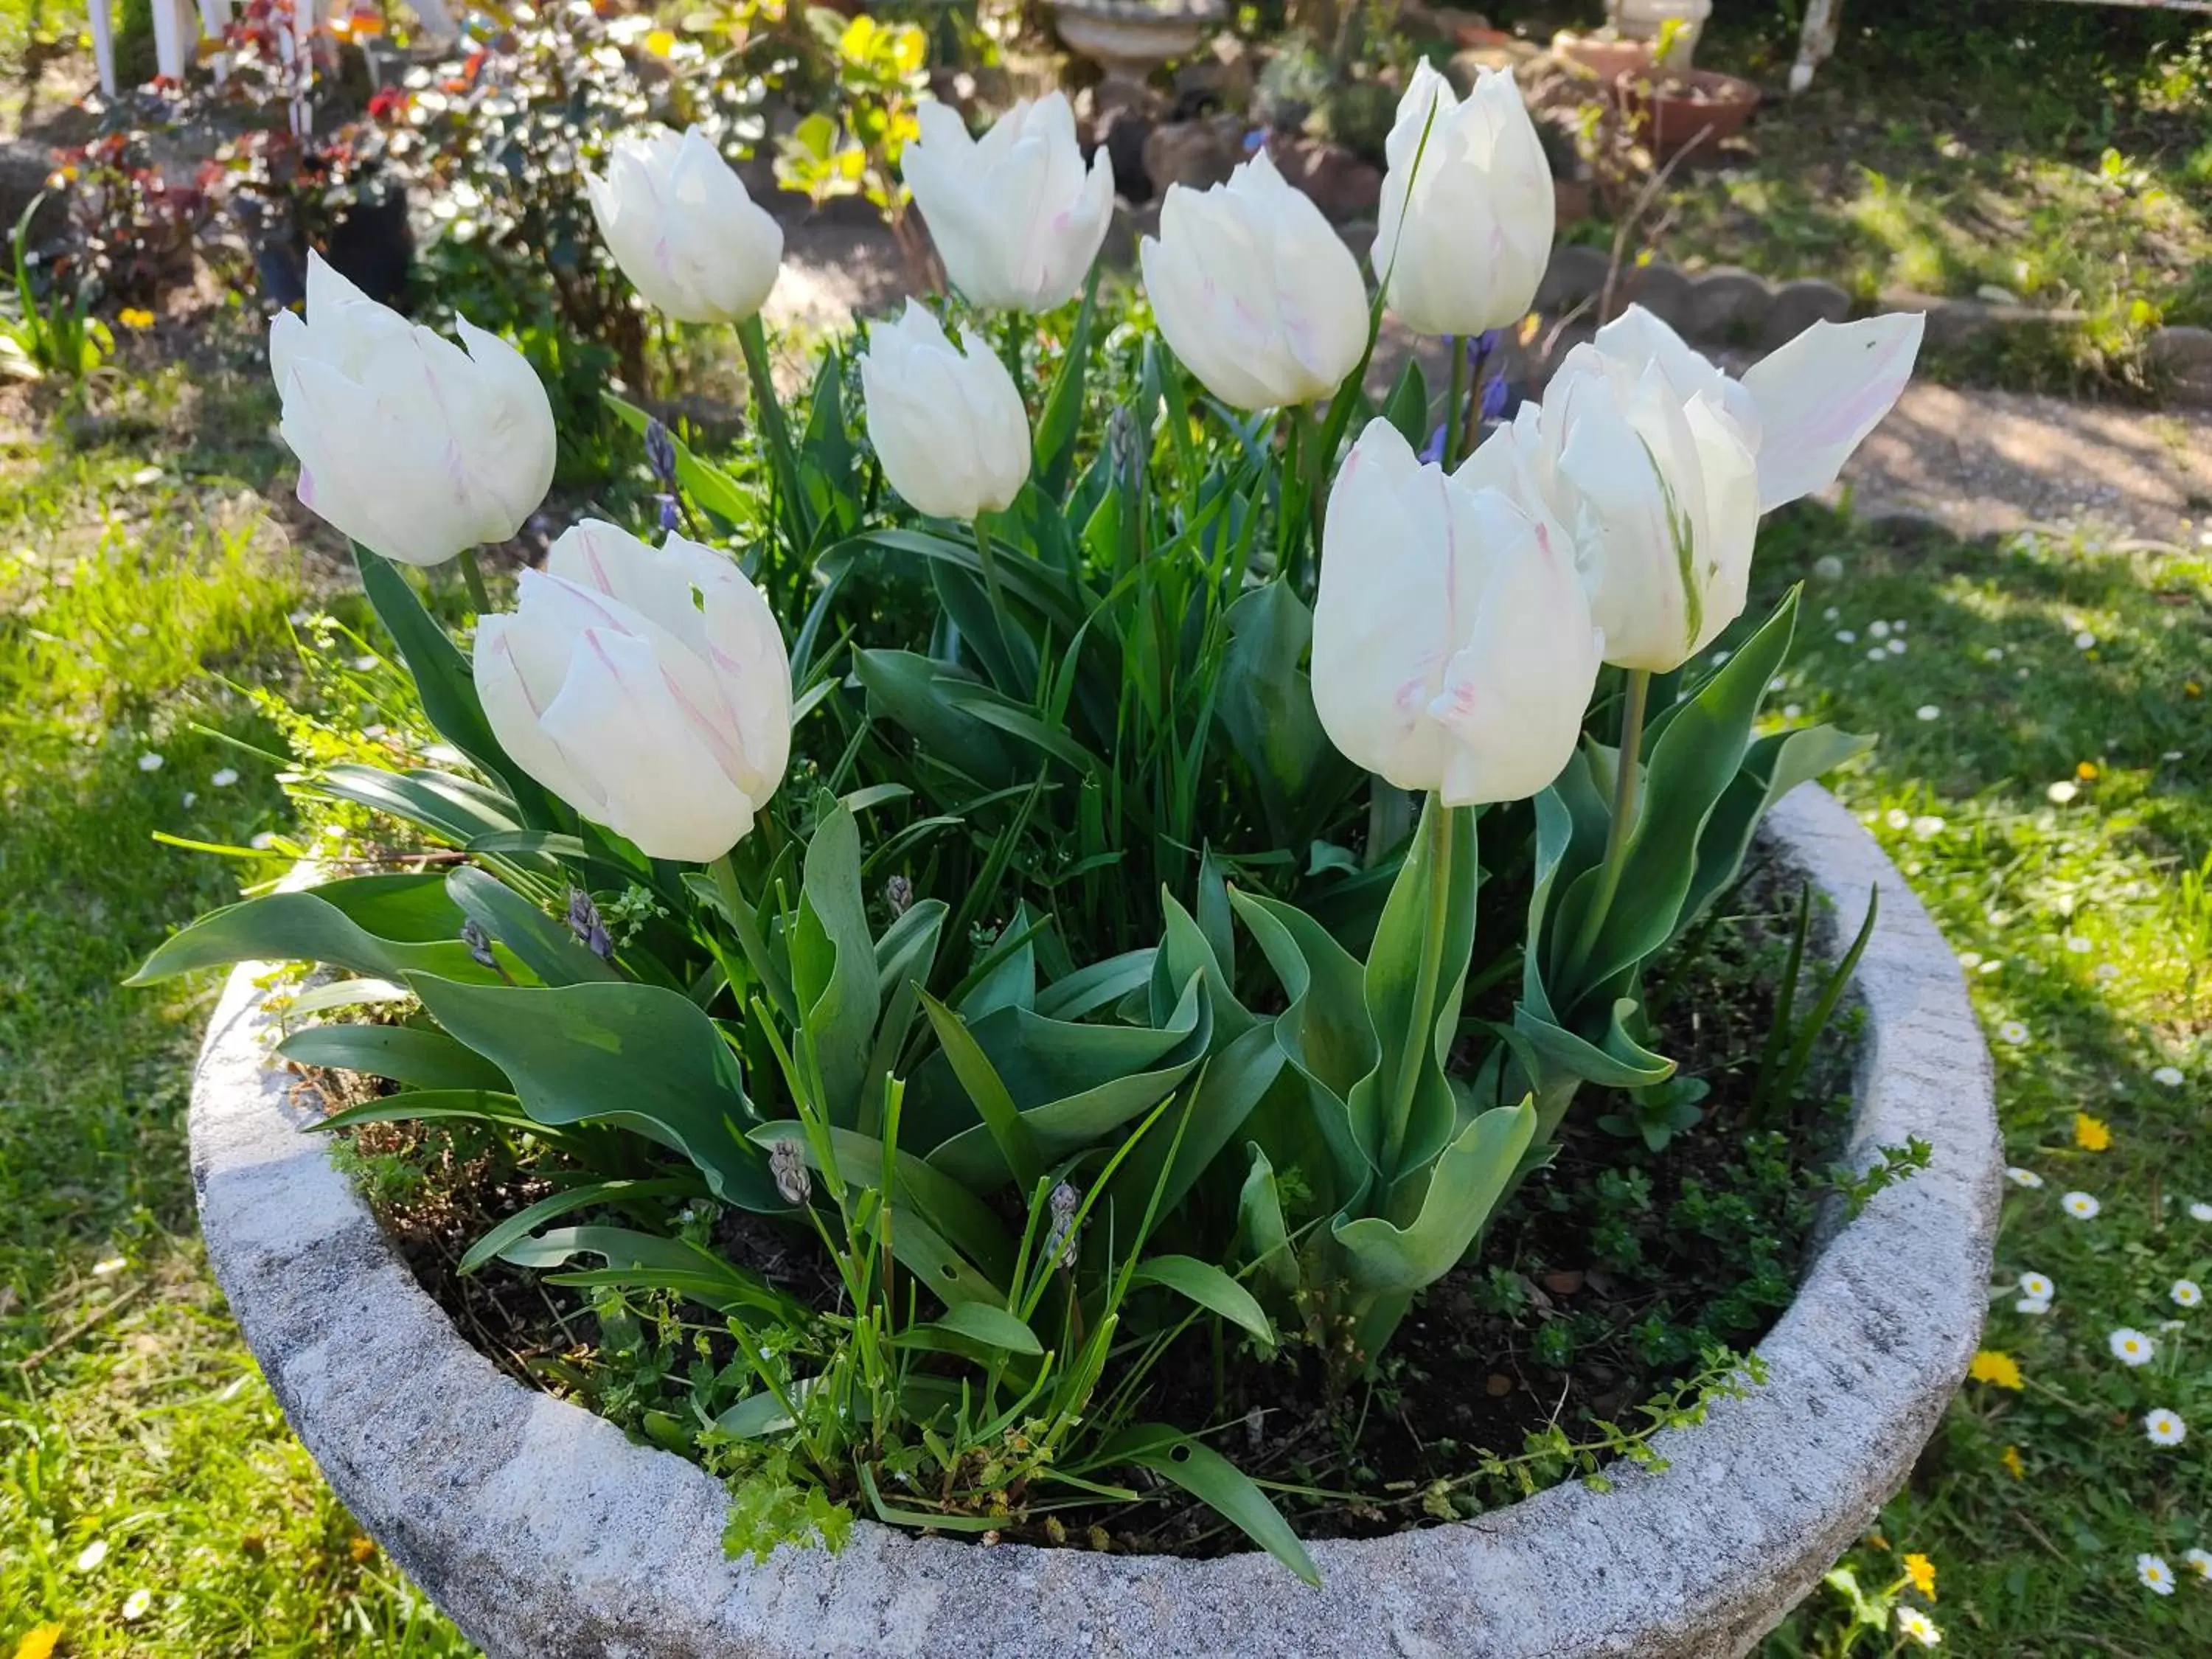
(2002,1369)
(660,43)
(39,1642)
(2090,1134)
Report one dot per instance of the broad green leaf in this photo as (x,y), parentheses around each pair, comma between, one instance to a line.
(1213,1479)
(833,964)
(445,682)
(1266,705)
(993,1327)
(1099,985)
(913,693)
(345,993)
(648,1261)
(1186,952)
(1027,581)
(1261,1233)
(457,810)
(1696,757)
(1054,449)
(707,483)
(1402,1112)
(555,1205)
(1407,407)
(438,1105)
(636,1055)
(385,925)
(1465,1181)
(968,1225)
(1002,1121)
(1232,1083)
(1325,1029)
(1774,766)
(405,1054)
(544,945)
(1208,1287)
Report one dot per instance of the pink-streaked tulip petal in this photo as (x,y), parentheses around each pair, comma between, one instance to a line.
(1819,395)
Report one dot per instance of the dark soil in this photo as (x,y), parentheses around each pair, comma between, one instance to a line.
(1608,1280)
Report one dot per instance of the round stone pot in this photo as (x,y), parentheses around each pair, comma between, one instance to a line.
(544,1532)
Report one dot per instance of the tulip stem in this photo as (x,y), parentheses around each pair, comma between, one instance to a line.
(747,926)
(1455,401)
(753,341)
(1625,782)
(472,578)
(1438,823)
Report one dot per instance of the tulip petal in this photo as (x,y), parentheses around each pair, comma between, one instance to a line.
(1819,395)
(617,719)
(514,713)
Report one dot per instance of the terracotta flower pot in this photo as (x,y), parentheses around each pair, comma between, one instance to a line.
(1694,112)
(1608,60)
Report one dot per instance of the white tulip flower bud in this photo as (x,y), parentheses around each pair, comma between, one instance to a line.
(1659,464)
(948,428)
(1014,216)
(412,447)
(1254,290)
(1453,649)
(1465,238)
(682,227)
(647,687)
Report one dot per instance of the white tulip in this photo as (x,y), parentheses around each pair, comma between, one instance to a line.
(1659,464)
(412,447)
(1453,649)
(647,687)
(1465,238)
(1015,218)
(682,227)
(1254,290)
(949,429)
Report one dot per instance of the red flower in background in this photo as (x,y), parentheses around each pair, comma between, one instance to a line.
(388,104)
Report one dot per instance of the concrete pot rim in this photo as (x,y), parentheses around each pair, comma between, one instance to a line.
(541,1529)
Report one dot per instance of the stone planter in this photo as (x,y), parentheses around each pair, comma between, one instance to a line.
(544,1532)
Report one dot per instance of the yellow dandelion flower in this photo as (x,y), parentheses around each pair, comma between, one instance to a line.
(361,1549)
(2091,1134)
(2191,689)
(2002,1369)
(39,1642)
(133,317)
(2010,1458)
(1922,1571)
(2085,770)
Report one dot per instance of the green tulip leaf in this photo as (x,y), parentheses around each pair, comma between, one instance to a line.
(1213,1479)
(1209,1287)
(544,946)
(410,1054)
(833,964)
(634,1056)
(456,810)
(1465,1182)
(384,926)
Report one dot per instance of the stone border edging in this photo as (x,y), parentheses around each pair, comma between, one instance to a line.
(542,1531)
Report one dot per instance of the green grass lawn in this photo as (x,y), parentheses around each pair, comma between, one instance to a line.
(152,1501)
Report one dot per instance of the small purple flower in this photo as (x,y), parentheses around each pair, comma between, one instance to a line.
(584,922)
(1495,396)
(1483,347)
(661,452)
(1254,140)
(668,516)
(479,943)
(1433,450)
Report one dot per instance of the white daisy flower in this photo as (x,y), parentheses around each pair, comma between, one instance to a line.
(1970,960)
(263,842)
(91,1555)
(1898,818)
(1791,711)
(1897,647)
(1877,629)
(1831,614)
(149,762)
(1898,627)
(1926,826)
(224,777)
(2164,1429)
(362,664)
(2185,1293)
(2021,1178)
(1877,655)
(2108,970)
(2037,1285)
(2200,1211)
(2085,640)
(2062,791)
(2081,1205)
(2033,1305)
(2013,1031)
(1927,711)
(2131,1347)
(1994,653)
(2167,1077)
(1992,965)
(135,1604)
(2200,1559)
(2078,946)
(1844,637)
(191,799)
(2153,1573)
(1917,1627)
